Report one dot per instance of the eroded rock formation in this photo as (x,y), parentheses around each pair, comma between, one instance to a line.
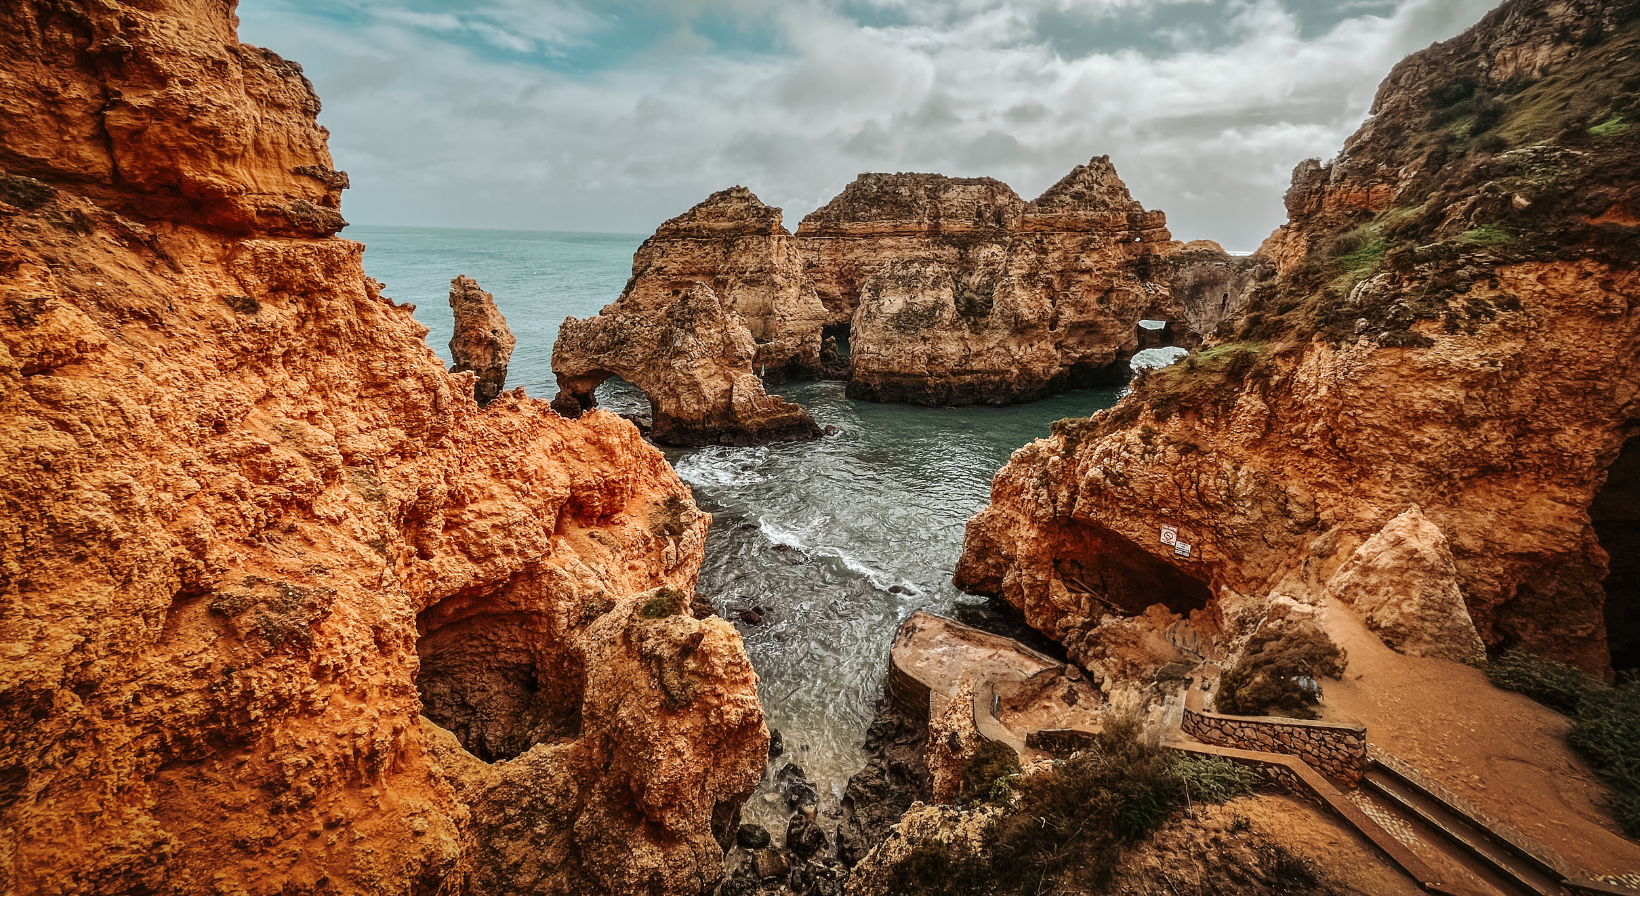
(958,292)
(482,343)
(946,291)
(244,510)
(1452,326)
(717,297)
(1403,583)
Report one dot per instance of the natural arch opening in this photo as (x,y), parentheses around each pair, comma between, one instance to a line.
(835,351)
(494,675)
(1616,517)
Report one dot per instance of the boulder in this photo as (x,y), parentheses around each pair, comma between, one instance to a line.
(1404,583)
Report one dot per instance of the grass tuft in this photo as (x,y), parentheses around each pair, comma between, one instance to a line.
(668,601)
(1610,128)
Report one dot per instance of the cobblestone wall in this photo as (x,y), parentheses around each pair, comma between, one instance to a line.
(1339,751)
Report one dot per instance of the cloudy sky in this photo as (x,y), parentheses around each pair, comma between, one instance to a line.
(614,116)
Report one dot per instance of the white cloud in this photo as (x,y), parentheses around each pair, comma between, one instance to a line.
(436,129)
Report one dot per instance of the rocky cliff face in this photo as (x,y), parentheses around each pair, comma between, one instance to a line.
(482,343)
(958,292)
(253,536)
(1453,326)
(717,297)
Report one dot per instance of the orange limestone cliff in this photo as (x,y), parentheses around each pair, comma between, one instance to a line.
(281,609)
(911,286)
(1427,415)
(716,297)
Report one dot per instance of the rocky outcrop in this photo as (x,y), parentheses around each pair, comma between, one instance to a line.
(482,343)
(244,511)
(1452,326)
(958,292)
(717,297)
(945,291)
(1404,584)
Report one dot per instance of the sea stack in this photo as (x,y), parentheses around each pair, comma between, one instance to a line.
(482,343)
(717,299)
(956,291)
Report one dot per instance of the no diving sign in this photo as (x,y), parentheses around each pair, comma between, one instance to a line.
(1170,536)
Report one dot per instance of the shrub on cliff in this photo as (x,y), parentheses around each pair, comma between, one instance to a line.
(1605,727)
(1277,673)
(1070,824)
(988,774)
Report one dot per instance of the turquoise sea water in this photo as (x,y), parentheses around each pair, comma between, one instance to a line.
(819,534)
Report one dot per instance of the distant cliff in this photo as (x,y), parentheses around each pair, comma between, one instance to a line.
(930,290)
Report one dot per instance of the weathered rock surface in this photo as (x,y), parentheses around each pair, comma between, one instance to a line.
(1404,584)
(243,506)
(958,292)
(716,297)
(1449,328)
(482,343)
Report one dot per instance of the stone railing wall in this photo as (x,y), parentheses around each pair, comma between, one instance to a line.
(1339,751)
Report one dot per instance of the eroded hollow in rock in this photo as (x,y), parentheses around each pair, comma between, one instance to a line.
(495,675)
(1123,576)
(1616,516)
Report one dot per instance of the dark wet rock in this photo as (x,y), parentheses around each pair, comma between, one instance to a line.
(795,787)
(788,554)
(641,421)
(742,878)
(896,589)
(747,526)
(820,876)
(777,743)
(803,836)
(829,430)
(748,617)
(894,777)
(752,837)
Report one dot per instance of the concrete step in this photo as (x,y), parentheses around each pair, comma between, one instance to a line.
(1518,870)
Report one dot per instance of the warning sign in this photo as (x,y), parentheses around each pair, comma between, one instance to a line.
(1170,535)
(1181,549)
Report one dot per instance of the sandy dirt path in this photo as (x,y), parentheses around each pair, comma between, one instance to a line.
(1500,750)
